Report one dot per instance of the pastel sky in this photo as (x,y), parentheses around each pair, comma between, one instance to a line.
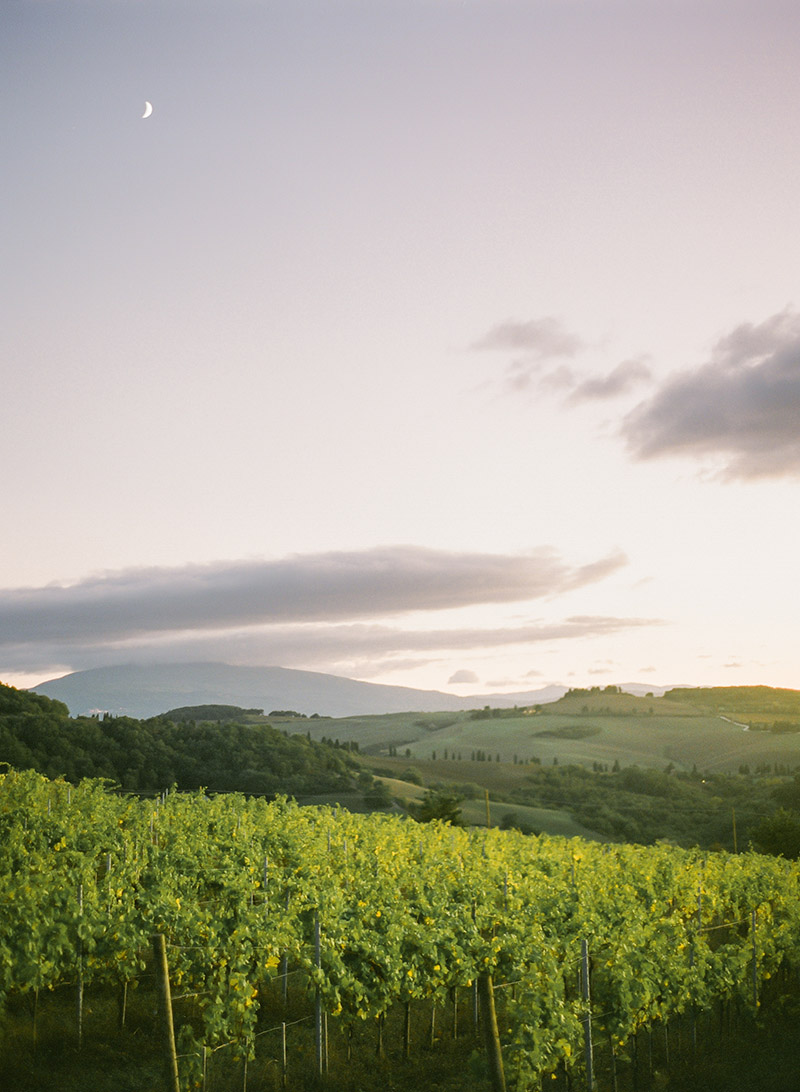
(444,343)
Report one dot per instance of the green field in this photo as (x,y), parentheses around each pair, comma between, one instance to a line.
(549,820)
(604,729)
(727,753)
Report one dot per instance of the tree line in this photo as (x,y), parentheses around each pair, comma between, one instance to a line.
(38,733)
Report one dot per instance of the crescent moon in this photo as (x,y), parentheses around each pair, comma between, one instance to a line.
(148,109)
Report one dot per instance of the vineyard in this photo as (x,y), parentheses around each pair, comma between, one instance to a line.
(581,947)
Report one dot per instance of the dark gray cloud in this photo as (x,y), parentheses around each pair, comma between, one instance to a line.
(741,408)
(540,338)
(306,588)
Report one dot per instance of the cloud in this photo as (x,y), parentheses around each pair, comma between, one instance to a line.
(306,611)
(621,380)
(522,374)
(358,649)
(541,338)
(370,668)
(740,409)
(383,581)
(594,571)
(540,341)
(463,676)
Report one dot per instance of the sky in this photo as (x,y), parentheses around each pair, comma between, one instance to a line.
(443,343)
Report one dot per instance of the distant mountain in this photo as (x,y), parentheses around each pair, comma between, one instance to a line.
(643,689)
(145,690)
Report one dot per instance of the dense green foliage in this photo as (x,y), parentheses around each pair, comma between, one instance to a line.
(740,699)
(624,803)
(779,834)
(211,712)
(376,912)
(38,733)
(637,804)
(440,804)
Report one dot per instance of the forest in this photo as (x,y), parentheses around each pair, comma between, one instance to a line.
(149,755)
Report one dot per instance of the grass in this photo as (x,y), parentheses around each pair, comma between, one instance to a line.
(629,734)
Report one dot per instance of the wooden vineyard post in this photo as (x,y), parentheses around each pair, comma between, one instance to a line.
(475,998)
(379,1050)
(122,1004)
(695,942)
(79,987)
(36,1006)
(490,1033)
(285,966)
(755,960)
(318,1040)
(325,1040)
(283,1054)
(614,1085)
(693,1009)
(172,1083)
(587,1016)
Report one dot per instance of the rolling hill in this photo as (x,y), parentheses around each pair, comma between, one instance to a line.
(145,690)
(586,729)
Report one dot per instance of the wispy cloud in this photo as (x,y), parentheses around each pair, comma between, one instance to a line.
(542,338)
(297,609)
(358,649)
(621,380)
(741,408)
(539,343)
(462,676)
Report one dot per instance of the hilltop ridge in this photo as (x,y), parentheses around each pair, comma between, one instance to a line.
(146,690)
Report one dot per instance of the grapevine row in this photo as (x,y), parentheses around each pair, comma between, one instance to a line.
(376,911)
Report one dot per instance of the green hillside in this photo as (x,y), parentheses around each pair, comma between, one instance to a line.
(596,727)
(759,705)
